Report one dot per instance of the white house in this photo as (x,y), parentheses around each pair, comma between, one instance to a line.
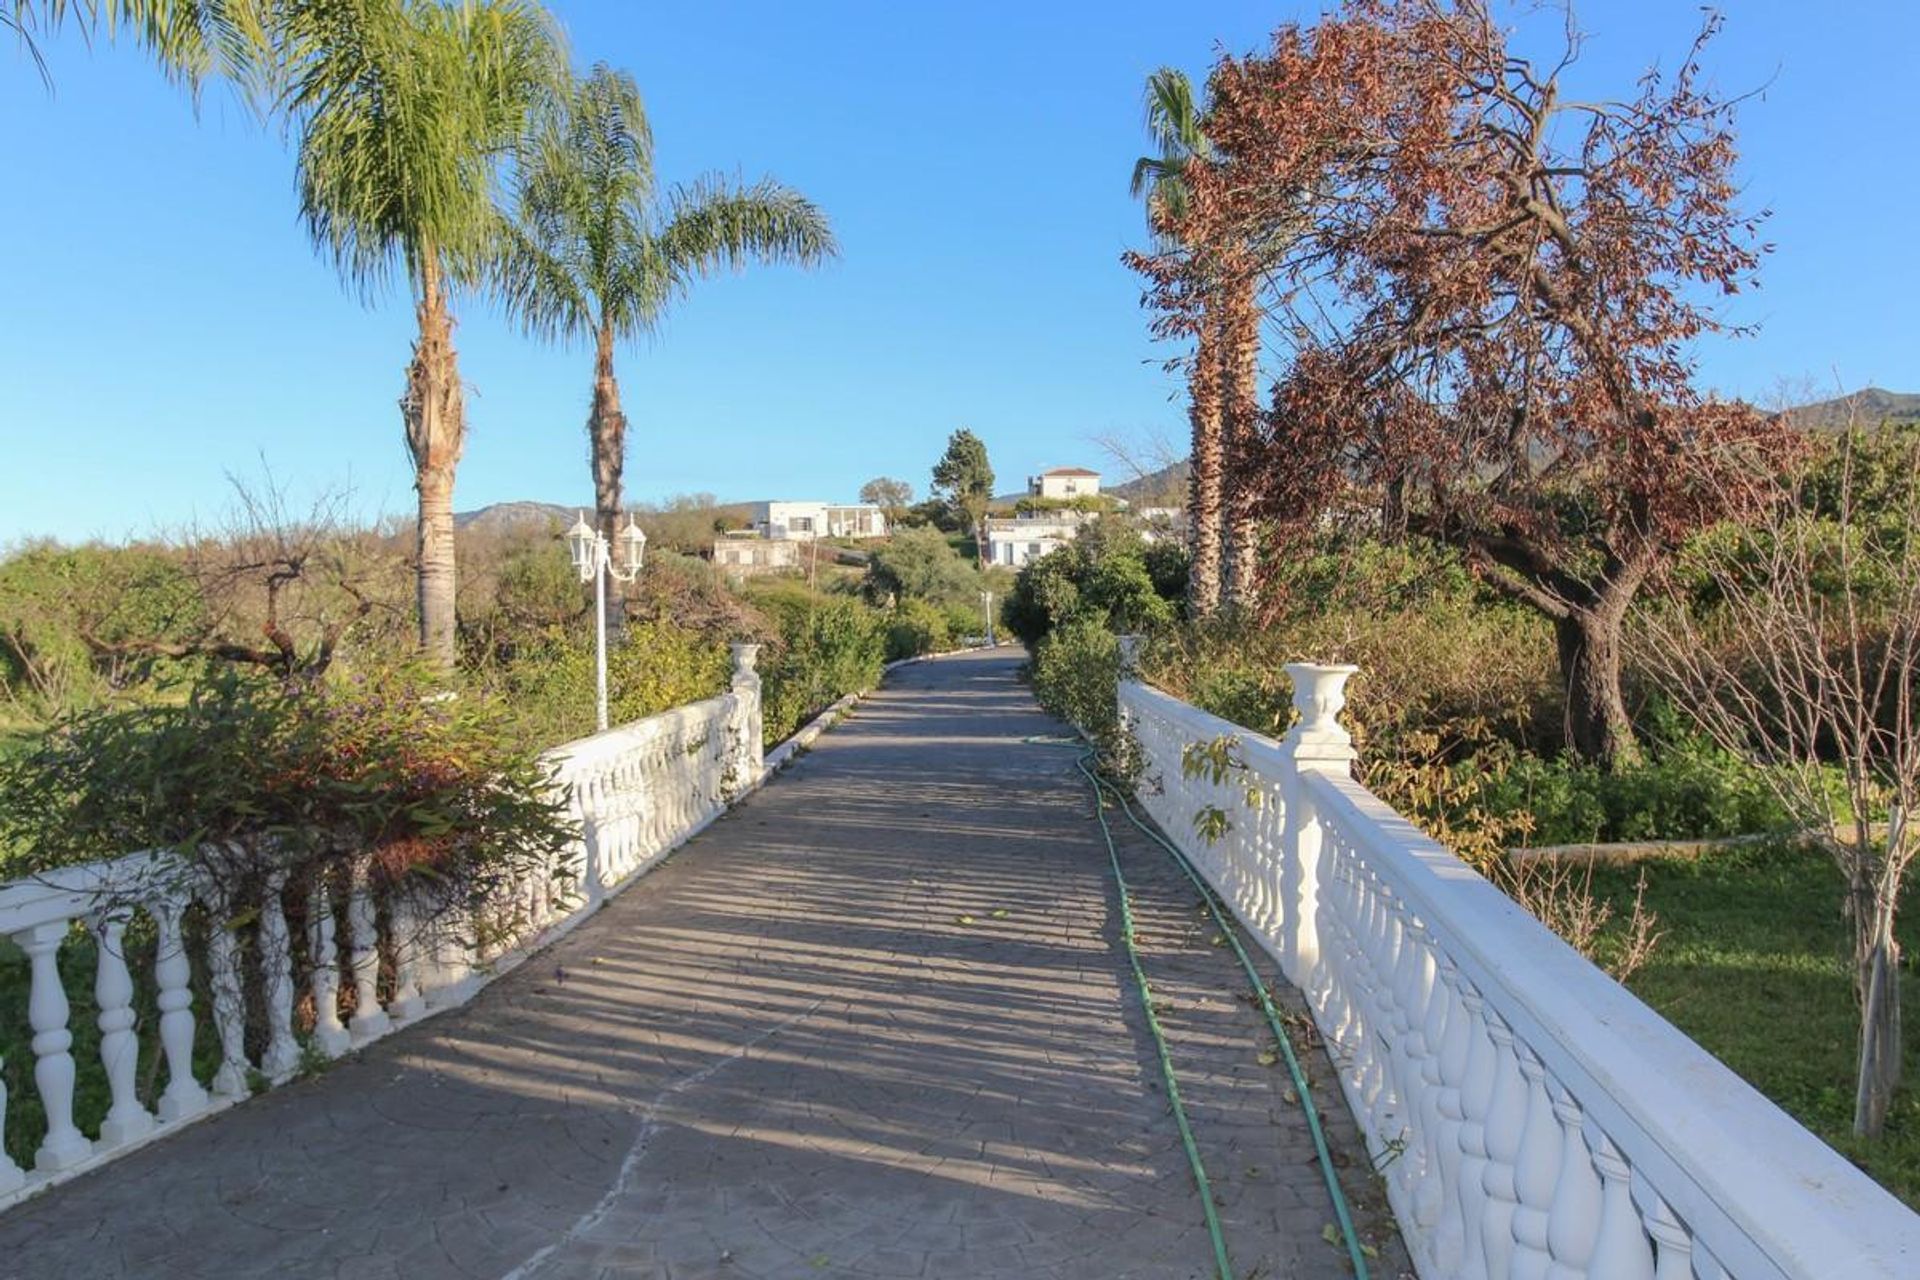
(1064,482)
(805,521)
(1014,542)
(743,555)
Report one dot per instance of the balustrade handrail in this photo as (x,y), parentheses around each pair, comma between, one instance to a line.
(582,753)
(1723,1149)
(637,791)
(1758,1194)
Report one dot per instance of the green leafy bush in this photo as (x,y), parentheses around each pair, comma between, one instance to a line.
(66,612)
(920,564)
(917,627)
(821,655)
(1075,672)
(1109,574)
(1688,790)
(652,665)
(247,775)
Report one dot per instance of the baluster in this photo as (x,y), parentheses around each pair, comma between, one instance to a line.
(1350,975)
(126,1119)
(282,1056)
(1621,1249)
(1431,1192)
(1412,978)
(12,1176)
(453,979)
(1673,1243)
(229,1007)
(407,1001)
(1476,1102)
(1455,1037)
(173,974)
(1344,971)
(1377,944)
(1506,1118)
(330,1035)
(369,1019)
(1573,1223)
(65,1146)
(1321,984)
(1535,1173)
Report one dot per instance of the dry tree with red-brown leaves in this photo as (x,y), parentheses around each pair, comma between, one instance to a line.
(1484,293)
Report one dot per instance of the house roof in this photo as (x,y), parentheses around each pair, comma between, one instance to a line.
(1071,471)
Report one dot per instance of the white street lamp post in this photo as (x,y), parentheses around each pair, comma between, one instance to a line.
(593,558)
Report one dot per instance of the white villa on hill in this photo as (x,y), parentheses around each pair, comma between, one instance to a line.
(1064,482)
(1015,542)
(805,521)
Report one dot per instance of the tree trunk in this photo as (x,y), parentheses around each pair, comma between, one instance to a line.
(1240,426)
(1597,724)
(1877,985)
(1204,477)
(607,437)
(434,416)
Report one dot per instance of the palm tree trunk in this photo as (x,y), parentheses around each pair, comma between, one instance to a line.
(434,415)
(1204,532)
(607,436)
(1240,425)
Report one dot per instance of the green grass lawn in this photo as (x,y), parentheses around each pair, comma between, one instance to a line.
(1754,966)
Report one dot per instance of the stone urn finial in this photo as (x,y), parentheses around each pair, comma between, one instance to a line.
(1129,655)
(744,656)
(1319,695)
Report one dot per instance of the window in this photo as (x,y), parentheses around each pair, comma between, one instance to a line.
(800,524)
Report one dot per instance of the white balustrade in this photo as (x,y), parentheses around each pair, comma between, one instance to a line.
(1530,1118)
(636,791)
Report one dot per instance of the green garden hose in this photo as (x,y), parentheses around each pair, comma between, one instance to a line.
(1200,1182)
(1356,1252)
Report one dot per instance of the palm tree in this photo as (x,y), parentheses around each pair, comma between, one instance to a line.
(595,252)
(405,112)
(1173,122)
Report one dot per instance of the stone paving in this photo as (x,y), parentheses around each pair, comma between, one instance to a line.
(875,1023)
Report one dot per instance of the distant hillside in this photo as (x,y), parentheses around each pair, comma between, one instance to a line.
(504,516)
(1867,408)
(681,521)
(1166,487)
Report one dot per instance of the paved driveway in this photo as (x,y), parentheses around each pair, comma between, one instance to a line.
(874,1022)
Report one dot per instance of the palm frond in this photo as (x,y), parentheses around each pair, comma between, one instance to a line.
(190,39)
(405,112)
(1173,122)
(583,182)
(593,244)
(712,223)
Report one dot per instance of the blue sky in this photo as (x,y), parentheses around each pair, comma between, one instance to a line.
(166,322)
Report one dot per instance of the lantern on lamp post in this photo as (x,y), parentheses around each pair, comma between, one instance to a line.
(593,560)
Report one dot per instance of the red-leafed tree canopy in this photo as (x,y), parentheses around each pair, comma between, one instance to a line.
(1486,293)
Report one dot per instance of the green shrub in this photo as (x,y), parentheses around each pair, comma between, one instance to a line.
(1075,673)
(916,627)
(1109,574)
(246,775)
(836,648)
(1688,790)
(963,621)
(920,564)
(66,611)
(652,665)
